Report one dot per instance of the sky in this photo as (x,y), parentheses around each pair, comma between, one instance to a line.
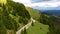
(40,3)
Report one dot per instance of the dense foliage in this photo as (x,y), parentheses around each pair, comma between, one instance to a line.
(11,15)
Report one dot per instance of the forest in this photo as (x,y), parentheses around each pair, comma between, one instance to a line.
(13,16)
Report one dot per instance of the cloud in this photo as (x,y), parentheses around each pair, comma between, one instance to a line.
(35,1)
(46,4)
(49,3)
(23,1)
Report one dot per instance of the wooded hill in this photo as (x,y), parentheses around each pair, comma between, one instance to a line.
(13,16)
(52,21)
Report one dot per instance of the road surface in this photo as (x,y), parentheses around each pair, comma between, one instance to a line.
(26,26)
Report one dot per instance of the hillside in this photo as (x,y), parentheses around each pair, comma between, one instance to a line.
(34,13)
(38,27)
(52,21)
(13,16)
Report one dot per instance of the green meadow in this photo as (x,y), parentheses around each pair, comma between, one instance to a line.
(38,28)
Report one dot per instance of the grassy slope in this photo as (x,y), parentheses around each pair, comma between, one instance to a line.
(34,13)
(36,28)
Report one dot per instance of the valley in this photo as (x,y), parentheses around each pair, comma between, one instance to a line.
(16,18)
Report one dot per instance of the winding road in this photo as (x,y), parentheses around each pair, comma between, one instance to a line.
(26,26)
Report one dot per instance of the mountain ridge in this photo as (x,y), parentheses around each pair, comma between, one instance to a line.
(49,10)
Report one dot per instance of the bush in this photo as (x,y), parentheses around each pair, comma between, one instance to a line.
(24,31)
(32,23)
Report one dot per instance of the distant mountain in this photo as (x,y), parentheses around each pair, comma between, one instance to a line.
(53,12)
(49,10)
(46,8)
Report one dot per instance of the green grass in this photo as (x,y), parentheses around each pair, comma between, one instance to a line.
(34,13)
(38,28)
